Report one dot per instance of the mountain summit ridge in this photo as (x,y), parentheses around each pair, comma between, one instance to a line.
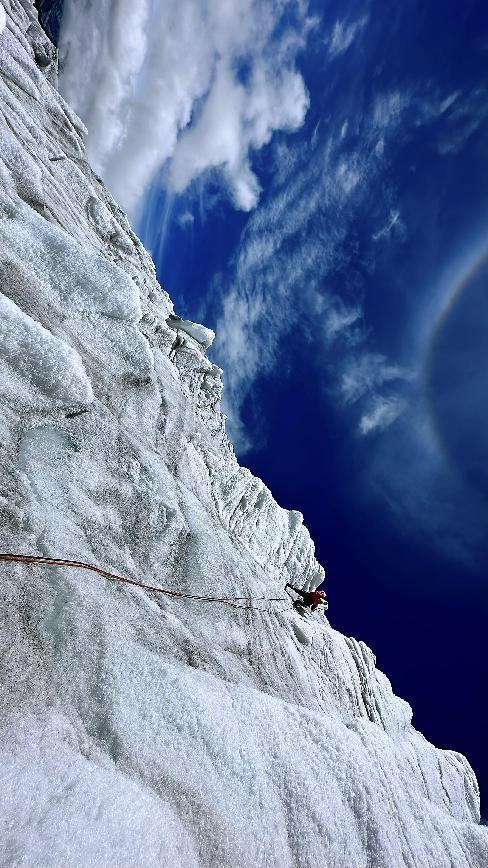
(135,729)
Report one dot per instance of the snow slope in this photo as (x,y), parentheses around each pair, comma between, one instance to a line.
(138,729)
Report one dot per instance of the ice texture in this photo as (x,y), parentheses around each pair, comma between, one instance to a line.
(37,368)
(138,730)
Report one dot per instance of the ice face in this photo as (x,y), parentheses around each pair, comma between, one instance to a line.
(137,729)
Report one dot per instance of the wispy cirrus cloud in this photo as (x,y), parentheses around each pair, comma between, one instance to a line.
(343,35)
(339,320)
(193,86)
(366,373)
(409,473)
(285,277)
(381,414)
(393,226)
(464,115)
(297,276)
(389,107)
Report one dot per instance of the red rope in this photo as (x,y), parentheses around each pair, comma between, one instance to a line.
(39,560)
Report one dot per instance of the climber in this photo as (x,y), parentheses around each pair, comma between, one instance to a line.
(178,343)
(310,599)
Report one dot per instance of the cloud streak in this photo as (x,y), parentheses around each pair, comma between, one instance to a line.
(382,413)
(366,373)
(344,34)
(294,275)
(191,86)
(394,225)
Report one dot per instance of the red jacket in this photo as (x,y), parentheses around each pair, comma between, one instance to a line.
(317,597)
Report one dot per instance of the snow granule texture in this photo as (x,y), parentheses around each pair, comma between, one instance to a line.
(136,729)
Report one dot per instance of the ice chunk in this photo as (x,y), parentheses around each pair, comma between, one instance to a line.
(200,333)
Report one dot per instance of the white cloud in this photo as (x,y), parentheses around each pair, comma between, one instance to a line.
(348,176)
(343,35)
(365,373)
(454,141)
(272,289)
(388,108)
(185,219)
(277,288)
(407,470)
(234,120)
(381,414)
(339,319)
(461,114)
(196,85)
(393,224)
(449,100)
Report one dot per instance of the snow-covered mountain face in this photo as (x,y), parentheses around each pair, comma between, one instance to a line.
(137,729)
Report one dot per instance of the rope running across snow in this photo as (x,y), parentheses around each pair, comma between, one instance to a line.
(235,602)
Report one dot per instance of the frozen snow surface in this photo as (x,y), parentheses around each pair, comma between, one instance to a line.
(139,730)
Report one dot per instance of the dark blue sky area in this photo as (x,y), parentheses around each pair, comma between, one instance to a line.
(366,398)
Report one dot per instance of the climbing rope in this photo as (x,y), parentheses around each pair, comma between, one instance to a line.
(235,602)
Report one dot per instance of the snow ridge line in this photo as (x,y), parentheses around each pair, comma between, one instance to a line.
(39,560)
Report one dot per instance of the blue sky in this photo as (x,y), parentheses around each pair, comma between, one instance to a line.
(316,191)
